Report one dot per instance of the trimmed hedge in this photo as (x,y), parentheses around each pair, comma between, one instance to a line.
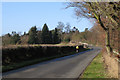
(16,55)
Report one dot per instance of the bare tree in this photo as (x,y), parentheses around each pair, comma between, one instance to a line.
(60,27)
(107,15)
(67,28)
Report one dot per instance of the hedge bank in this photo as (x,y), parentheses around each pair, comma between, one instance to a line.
(15,55)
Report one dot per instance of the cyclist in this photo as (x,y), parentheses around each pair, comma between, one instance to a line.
(77,48)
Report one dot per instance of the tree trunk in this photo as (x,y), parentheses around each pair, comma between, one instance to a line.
(108,47)
(106,29)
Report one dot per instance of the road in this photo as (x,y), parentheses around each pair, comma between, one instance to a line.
(66,67)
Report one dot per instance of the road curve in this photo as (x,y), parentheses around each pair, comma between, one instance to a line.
(66,67)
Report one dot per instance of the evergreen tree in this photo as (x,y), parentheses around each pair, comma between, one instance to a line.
(32,35)
(15,38)
(45,36)
(39,37)
(55,37)
(50,39)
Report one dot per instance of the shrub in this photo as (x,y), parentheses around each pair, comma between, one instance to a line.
(19,54)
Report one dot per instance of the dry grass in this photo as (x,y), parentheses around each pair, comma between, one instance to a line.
(111,65)
(32,45)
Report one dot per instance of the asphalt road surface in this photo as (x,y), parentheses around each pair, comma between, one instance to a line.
(66,67)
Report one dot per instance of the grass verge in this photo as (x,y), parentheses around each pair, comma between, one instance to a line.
(95,69)
(35,61)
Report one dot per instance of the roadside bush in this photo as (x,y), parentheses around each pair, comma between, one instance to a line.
(16,55)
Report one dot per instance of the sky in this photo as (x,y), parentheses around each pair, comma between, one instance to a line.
(21,16)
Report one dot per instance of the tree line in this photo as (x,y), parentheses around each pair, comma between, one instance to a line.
(61,33)
(45,36)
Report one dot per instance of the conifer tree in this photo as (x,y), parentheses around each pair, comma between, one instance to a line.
(56,37)
(14,38)
(45,36)
(50,37)
(32,35)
